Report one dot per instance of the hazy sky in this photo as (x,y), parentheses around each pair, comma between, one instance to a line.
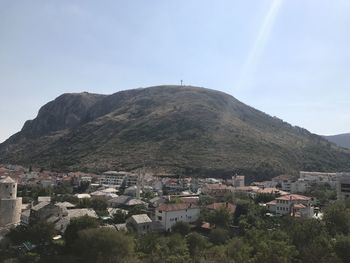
(288,58)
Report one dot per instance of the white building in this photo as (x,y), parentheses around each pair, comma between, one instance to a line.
(10,205)
(113,179)
(299,186)
(343,186)
(320,178)
(169,214)
(131,179)
(293,205)
(284,181)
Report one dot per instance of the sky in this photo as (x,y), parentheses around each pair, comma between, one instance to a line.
(288,58)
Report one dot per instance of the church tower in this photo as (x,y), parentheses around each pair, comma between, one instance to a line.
(10,205)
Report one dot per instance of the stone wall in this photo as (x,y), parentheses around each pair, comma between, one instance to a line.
(10,211)
(8,190)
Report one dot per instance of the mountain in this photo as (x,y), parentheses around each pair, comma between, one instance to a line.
(342,140)
(167,129)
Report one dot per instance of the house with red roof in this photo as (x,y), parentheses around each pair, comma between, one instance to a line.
(292,204)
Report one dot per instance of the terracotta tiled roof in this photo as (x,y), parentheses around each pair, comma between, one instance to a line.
(216,206)
(271,190)
(273,202)
(175,207)
(190,200)
(293,197)
(216,186)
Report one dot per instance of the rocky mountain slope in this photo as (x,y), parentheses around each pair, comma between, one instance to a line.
(167,129)
(342,140)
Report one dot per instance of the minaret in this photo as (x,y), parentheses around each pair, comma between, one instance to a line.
(138,190)
(10,205)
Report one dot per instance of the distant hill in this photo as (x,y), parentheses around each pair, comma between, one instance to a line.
(342,140)
(176,129)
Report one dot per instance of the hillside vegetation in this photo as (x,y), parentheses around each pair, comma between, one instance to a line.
(342,140)
(169,129)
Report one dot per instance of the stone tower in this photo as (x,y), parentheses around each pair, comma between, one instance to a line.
(10,205)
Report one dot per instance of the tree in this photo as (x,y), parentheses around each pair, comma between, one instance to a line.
(137,210)
(196,245)
(119,217)
(103,245)
(148,242)
(171,249)
(205,200)
(304,232)
(272,251)
(216,254)
(342,248)
(99,204)
(239,250)
(182,228)
(38,233)
(76,225)
(337,219)
(264,198)
(83,187)
(221,217)
(41,233)
(218,236)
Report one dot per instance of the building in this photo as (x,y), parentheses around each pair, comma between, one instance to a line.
(284,181)
(131,179)
(231,208)
(44,199)
(61,222)
(169,214)
(299,186)
(293,205)
(82,196)
(124,201)
(320,178)
(141,224)
(270,191)
(10,204)
(66,205)
(238,180)
(44,210)
(113,179)
(265,184)
(343,186)
(217,190)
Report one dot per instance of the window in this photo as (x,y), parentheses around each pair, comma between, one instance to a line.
(159,218)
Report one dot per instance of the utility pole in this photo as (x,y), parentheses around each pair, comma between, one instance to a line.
(181,83)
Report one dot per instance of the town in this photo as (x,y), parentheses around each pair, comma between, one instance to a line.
(142,204)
